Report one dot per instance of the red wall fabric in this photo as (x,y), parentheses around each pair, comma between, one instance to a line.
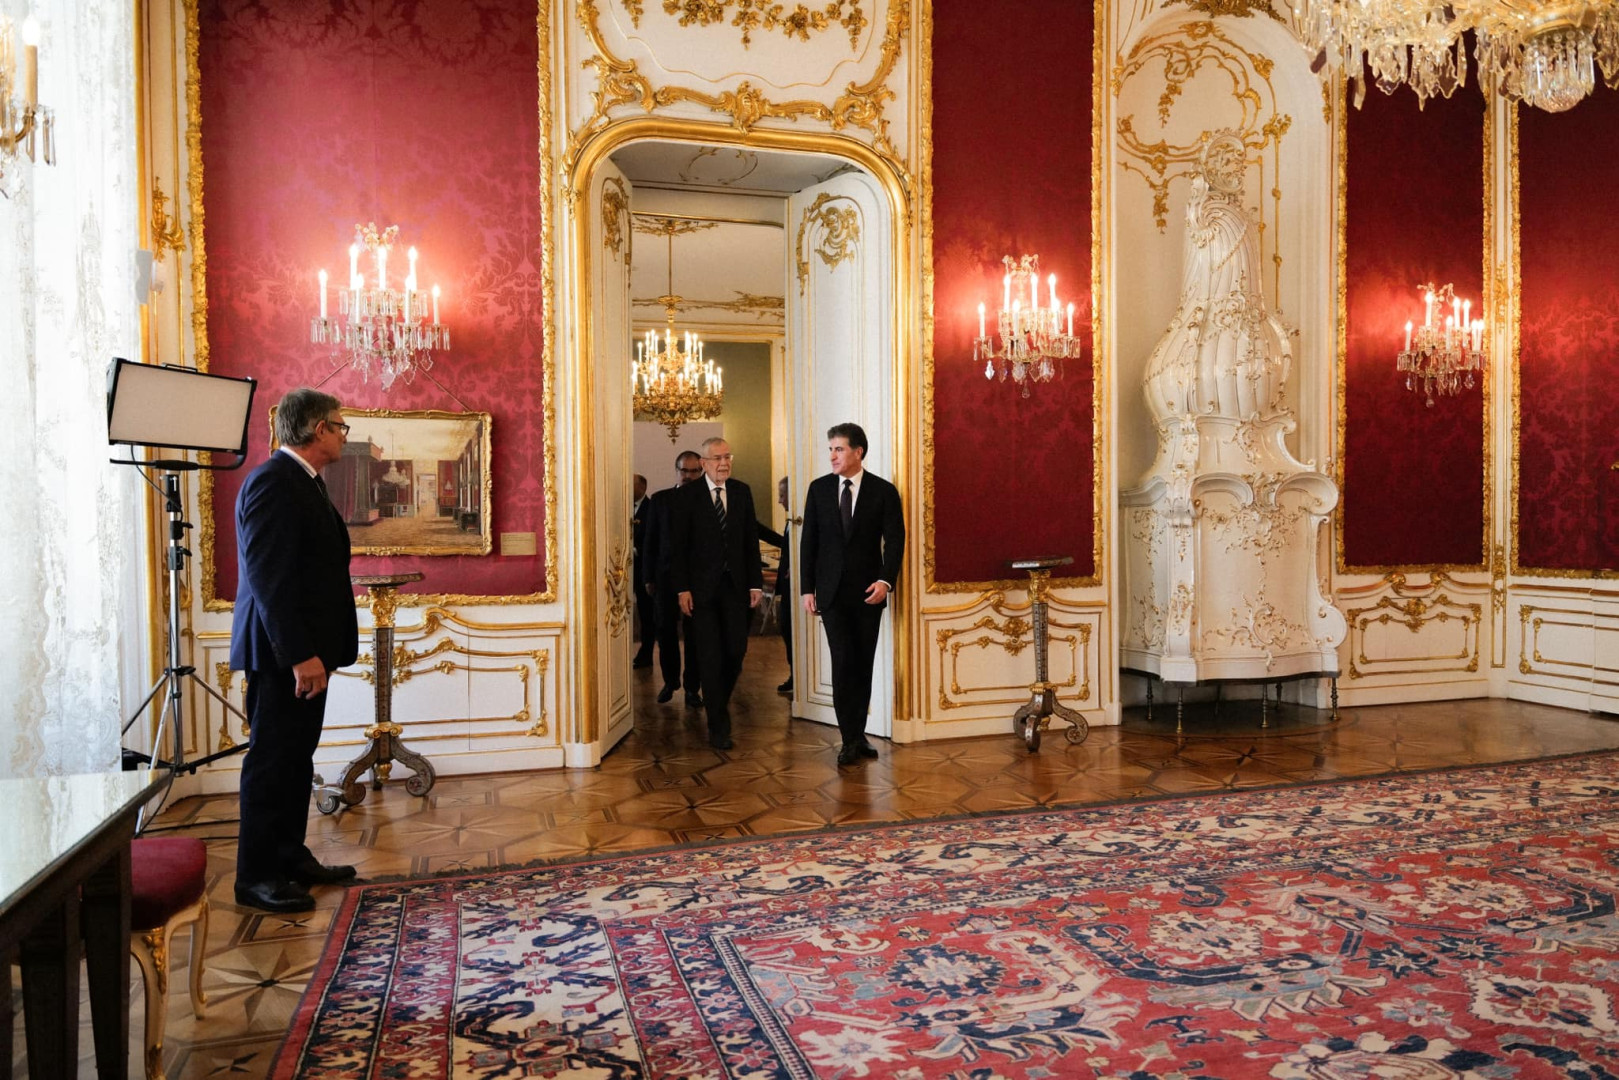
(1568,358)
(1413,476)
(317,114)
(1012,477)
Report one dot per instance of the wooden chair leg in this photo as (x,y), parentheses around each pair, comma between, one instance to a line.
(199,947)
(7,1047)
(151,951)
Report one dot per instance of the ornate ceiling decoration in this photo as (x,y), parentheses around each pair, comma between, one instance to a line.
(751,15)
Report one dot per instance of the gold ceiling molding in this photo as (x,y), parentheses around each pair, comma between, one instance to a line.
(1237,9)
(620,82)
(199,325)
(839,235)
(658,225)
(1494,288)
(615,204)
(751,15)
(744,304)
(1100,364)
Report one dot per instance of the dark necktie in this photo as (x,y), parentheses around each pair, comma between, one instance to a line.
(719,507)
(327,495)
(846,506)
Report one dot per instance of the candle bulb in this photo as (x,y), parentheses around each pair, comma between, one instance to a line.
(1427,319)
(323,294)
(1408,337)
(1070,320)
(30,60)
(354,264)
(1052,281)
(435,305)
(980,320)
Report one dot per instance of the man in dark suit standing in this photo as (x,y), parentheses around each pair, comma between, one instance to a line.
(643,599)
(849,559)
(294,624)
(717,577)
(657,582)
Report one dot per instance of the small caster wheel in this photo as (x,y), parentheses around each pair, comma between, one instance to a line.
(327,803)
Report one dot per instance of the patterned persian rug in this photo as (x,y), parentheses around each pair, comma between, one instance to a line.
(1456,924)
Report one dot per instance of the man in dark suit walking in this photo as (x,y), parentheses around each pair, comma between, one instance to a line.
(639,512)
(657,582)
(717,577)
(294,624)
(849,559)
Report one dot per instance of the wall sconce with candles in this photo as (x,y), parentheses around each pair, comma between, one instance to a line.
(381,327)
(23,120)
(1442,358)
(1030,342)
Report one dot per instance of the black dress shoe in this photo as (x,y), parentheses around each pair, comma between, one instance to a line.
(865,749)
(311,872)
(786,687)
(722,743)
(278,895)
(665,694)
(849,754)
(694,701)
(642,661)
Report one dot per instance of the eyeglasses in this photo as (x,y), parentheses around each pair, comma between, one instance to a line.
(338,425)
(719,457)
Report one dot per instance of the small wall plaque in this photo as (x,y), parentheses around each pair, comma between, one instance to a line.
(517,543)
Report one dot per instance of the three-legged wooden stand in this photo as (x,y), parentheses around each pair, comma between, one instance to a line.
(386,745)
(1035,717)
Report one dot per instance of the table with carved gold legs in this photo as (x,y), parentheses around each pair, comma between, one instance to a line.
(1034,717)
(386,746)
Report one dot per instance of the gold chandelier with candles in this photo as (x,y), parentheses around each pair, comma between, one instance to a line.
(381,328)
(1031,340)
(1440,358)
(671,382)
(1540,52)
(25,124)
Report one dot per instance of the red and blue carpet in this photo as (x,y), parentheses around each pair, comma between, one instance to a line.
(1455,924)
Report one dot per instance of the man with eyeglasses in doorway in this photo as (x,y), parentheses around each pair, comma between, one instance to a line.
(718,578)
(656,581)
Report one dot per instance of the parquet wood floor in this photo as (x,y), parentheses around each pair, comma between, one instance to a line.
(663,786)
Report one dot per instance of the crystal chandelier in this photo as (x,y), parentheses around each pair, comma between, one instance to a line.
(381,327)
(1032,340)
(1542,54)
(1442,359)
(24,122)
(669,383)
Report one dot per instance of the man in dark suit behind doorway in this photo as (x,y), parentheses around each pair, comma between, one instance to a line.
(717,576)
(849,560)
(657,582)
(294,624)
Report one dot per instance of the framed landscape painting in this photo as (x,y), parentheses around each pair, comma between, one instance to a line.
(413,483)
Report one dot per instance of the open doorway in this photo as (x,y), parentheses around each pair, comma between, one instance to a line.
(782,263)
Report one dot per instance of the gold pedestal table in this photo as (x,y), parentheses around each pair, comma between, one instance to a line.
(1035,717)
(386,745)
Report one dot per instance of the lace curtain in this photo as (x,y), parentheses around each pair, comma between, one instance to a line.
(72,645)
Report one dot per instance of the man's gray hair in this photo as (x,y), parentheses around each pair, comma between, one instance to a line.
(711,442)
(299,412)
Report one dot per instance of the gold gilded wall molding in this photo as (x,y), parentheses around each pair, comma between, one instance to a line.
(838,235)
(1341,365)
(211,601)
(618,590)
(1183,50)
(1012,632)
(1101,365)
(1531,619)
(750,15)
(1236,9)
(659,225)
(615,206)
(1498,607)
(620,82)
(1415,613)
(744,304)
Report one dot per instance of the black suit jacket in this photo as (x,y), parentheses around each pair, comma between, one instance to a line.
(832,567)
(701,552)
(656,554)
(293,596)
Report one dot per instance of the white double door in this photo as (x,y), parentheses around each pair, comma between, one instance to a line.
(840,368)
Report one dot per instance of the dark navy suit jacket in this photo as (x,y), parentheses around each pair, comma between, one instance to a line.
(829,564)
(293,596)
(701,551)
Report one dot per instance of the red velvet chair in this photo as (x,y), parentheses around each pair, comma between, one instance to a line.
(168,885)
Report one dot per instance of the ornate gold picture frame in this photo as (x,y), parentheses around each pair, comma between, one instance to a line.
(413,482)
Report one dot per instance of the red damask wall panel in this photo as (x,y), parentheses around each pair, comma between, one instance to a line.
(1413,476)
(1012,477)
(1568,359)
(317,114)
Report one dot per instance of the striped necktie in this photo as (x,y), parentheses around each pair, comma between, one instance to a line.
(719,506)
